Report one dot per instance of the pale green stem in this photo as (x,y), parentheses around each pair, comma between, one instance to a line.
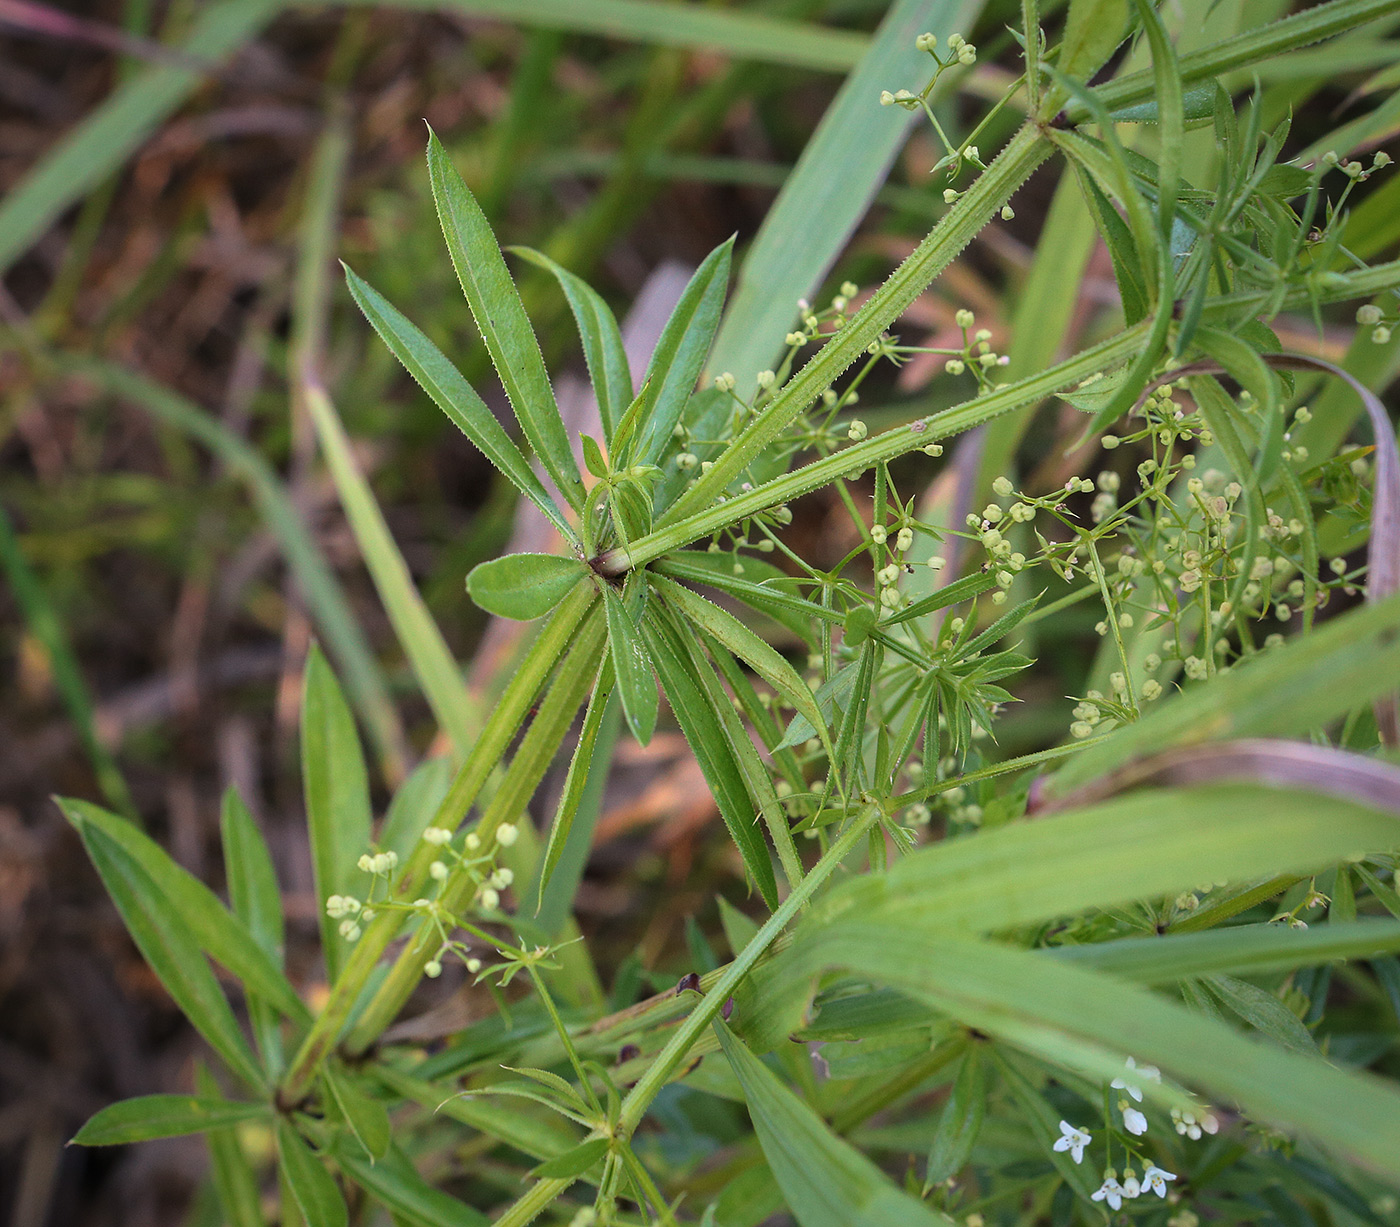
(886,446)
(497,734)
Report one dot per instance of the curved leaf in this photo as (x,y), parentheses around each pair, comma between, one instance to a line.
(163,1116)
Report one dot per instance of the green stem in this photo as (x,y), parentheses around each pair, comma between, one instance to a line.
(537,750)
(563,1032)
(886,446)
(639,1099)
(974,209)
(497,734)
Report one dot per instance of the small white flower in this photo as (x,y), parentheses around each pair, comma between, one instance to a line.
(1073,1140)
(1110,1191)
(1133,1077)
(1133,1120)
(1131,1188)
(506,834)
(1155,1178)
(437,836)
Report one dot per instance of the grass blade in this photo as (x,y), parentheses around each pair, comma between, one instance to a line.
(319,587)
(45,626)
(104,141)
(432,662)
(825,1181)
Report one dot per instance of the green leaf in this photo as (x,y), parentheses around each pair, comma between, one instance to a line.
(235,1184)
(396,1184)
(763,587)
(961,1121)
(572,1163)
(161,932)
(707,739)
(224,937)
(748,647)
(1045,1121)
(500,316)
(593,457)
(632,667)
(1310,681)
(336,788)
(257,902)
(163,1116)
(450,391)
(305,1177)
(1093,30)
(524,587)
(1088,1022)
(680,355)
(825,1181)
(1262,1011)
(602,341)
(366,1116)
(252,879)
(1241,949)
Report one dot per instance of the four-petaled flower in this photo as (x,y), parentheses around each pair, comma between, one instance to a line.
(1073,1140)
(1130,1080)
(1155,1178)
(1110,1191)
(1133,1120)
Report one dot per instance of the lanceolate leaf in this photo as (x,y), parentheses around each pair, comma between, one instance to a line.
(825,1181)
(500,315)
(707,739)
(235,1184)
(632,667)
(602,341)
(312,1187)
(680,355)
(336,787)
(224,937)
(160,931)
(524,586)
(163,1116)
(395,1183)
(961,1121)
(366,1117)
(441,380)
(764,660)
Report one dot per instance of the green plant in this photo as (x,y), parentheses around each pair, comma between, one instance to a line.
(1092,914)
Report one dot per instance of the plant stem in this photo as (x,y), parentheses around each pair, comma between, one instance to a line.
(880,447)
(496,735)
(532,759)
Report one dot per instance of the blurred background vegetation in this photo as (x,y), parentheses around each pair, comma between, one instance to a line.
(179,180)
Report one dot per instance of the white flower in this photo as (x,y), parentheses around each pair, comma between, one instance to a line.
(506,834)
(1131,1188)
(1130,1080)
(1073,1140)
(1133,1120)
(1110,1191)
(1155,1178)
